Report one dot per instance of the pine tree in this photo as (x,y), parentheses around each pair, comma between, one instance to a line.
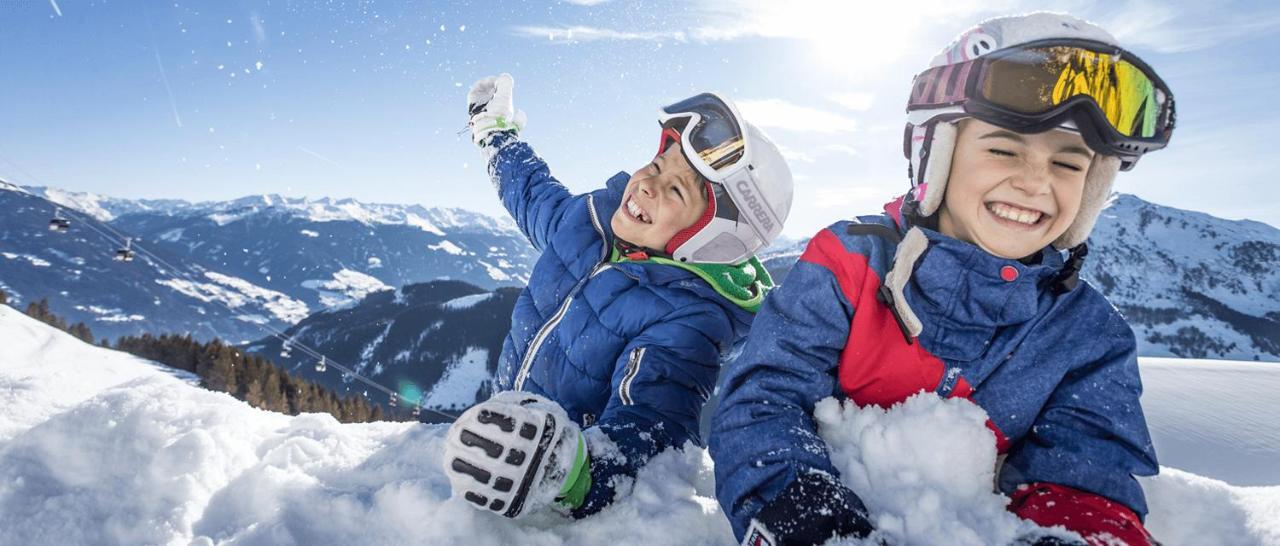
(273,396)
(253,394)
(82,332)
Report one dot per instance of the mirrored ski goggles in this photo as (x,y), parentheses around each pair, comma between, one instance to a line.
(714,141)
(1129,107)
(710,133)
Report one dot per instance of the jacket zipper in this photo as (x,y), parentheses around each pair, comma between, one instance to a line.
(633,368)
(555,319)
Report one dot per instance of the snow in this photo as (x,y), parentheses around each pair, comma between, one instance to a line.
(110,315)
(172,235)
(449,247)
(346,288)
(367,353)
(464,376)
(222,218)
(87,203)
(99,447)
(44,372)
(1191,404)
(925,469)
(467,302)
(235,293)
(495,273)
(35,261)
(422,223)
(309,233)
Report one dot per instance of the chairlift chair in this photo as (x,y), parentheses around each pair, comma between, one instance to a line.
(125,254)
(58,223)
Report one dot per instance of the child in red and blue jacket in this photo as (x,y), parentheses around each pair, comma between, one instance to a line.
(966,287)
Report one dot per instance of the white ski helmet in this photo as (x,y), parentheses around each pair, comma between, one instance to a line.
(748,183)
(1032,73)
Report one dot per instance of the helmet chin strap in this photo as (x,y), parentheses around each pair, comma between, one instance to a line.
(637,252)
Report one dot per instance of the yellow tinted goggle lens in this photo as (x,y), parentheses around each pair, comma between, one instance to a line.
(1037,80)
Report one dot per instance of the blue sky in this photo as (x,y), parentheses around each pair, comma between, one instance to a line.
(215,100)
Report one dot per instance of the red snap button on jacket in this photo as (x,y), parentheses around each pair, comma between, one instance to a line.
(1009,273)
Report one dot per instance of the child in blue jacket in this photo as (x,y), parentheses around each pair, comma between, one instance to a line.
(641,287)
(967,287)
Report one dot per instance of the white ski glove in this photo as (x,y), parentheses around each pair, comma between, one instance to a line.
(515,453)
(490,106)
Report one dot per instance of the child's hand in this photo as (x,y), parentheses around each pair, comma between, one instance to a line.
(491,109)
(513,453)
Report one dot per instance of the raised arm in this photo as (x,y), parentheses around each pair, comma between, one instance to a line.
(534,198)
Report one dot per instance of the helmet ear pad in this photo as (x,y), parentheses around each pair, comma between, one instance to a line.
(681,237)
(933,166)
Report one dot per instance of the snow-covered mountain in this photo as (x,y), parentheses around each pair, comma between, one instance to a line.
(100,447)
(272,259)
(1191,285)
(77,272)
(437,341)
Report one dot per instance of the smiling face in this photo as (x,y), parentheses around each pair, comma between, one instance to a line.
(661,199)
(1013,194)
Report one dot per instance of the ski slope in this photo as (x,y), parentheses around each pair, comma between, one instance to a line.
(99,447)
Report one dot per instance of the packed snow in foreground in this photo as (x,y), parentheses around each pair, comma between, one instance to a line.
(98,447)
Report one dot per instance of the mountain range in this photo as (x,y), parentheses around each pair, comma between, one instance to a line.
(229,268)
(419,299)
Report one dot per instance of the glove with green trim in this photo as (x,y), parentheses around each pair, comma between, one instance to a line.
(516,453)
(491,109)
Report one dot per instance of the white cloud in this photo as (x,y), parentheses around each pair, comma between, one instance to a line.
(795,155)
(585,2)
(1171,28)
(858,102)
(841,149)
(780,114)
(860,198)
(575,34)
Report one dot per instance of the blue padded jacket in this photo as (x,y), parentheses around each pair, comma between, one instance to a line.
(631,348)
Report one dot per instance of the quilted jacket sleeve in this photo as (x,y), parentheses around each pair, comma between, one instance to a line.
(659,387)
(535,199)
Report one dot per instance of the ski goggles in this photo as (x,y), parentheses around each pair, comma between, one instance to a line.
(1120,105)
(714,140)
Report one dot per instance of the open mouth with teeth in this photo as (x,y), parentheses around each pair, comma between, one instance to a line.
(636,213)
(1016,216)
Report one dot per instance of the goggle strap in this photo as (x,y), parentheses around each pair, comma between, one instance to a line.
(708,214)
(943,85)
(669,135)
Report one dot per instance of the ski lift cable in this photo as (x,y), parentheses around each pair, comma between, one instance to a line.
(273,332)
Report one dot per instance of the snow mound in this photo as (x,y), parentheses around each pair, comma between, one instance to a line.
(925,469)
(99,447)
(33,388)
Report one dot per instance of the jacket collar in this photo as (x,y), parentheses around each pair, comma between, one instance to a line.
(967,285)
